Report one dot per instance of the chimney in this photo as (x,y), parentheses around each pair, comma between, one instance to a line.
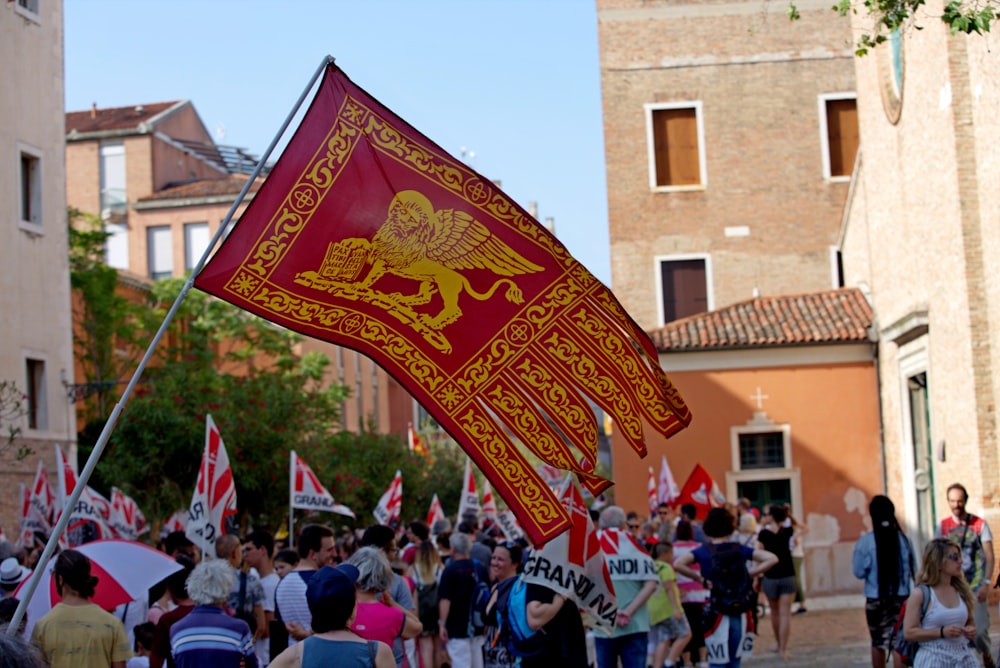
(93,110)
(140,110)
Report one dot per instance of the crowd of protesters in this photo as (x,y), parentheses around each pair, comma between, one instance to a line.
(403,597)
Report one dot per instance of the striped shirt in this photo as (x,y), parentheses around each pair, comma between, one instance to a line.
(290,600)
(209,638)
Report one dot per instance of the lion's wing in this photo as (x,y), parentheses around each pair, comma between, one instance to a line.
(459,241)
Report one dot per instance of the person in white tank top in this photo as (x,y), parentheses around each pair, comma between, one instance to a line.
(947,627)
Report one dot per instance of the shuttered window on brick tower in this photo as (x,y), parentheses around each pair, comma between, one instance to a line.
(684,288)
(675,138)
(842,135)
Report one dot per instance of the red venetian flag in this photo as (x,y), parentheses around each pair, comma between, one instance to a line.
(368,235)
(214,497)
(308,492)
(390,505)
(702,491)
(435,513)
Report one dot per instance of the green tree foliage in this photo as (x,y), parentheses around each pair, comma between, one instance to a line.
(357,469)
(102,316)
(972,16)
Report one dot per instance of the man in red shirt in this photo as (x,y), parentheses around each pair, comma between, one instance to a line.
(974,537)
(177,588)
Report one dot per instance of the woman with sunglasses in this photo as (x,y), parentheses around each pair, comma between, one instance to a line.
(946,628)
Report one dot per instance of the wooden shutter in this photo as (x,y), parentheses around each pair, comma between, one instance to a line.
(675,136)
(842,135)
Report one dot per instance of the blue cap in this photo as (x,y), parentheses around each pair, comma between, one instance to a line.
(331,583)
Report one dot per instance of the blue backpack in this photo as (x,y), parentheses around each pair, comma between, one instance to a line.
(512,619)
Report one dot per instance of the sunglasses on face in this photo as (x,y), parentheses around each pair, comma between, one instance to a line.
(954,556)
(633,526)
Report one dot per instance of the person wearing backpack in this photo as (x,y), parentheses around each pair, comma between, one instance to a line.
(884,559)
(426,573)
(946,629)
(505,565)
(724,571)
(778,583)
(455,592)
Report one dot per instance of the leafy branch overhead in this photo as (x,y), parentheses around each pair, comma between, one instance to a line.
(975,16)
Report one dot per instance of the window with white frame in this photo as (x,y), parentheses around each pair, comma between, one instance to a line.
(27,8)
(30,187)
(839,138)
(683,286)
(196,240)
(676,142)
(160,252)
(35,391)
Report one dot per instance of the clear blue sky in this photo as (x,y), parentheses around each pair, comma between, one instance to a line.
(516,82)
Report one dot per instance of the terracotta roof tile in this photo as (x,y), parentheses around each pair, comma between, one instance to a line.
(230,185)
(831,316)
(115,118)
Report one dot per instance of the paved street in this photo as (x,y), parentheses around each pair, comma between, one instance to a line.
(833,633)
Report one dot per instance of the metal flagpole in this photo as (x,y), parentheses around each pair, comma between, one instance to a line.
(291,506)
(109,426)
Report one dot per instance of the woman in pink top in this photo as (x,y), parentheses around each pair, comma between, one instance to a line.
(379,617)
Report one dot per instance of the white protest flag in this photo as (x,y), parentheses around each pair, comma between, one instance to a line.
(391,503)
(176,522)
(651,491)
(507,522)
(308,493)
(572,564)
(214,497)
(87,520)
(667,491)
(37,509)
(469,500)
(489,505)
(626,558)
(127,521)
(435,513)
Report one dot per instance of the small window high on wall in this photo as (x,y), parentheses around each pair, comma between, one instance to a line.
(38,409)
(161,252)
(675,139)
(840,137)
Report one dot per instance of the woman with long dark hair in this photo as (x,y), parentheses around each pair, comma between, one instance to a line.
(883,558)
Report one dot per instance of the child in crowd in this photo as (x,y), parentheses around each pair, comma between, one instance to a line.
(669,630)
(142,646)
(285,562)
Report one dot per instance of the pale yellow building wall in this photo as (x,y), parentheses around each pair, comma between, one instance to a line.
(34,265)
(922,234)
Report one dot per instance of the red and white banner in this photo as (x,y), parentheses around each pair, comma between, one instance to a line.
(552,476)
(667,491)
(88,520)
(176,522)
(127,521)
(435,513)
(308,493)
(651,491)
(469,500)
(507,521)
(572,564)
(701,491)
(626,558)
(37,509)
(388,508)
(489,504)
(214,497)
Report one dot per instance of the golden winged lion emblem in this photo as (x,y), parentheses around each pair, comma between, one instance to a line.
(431,247)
